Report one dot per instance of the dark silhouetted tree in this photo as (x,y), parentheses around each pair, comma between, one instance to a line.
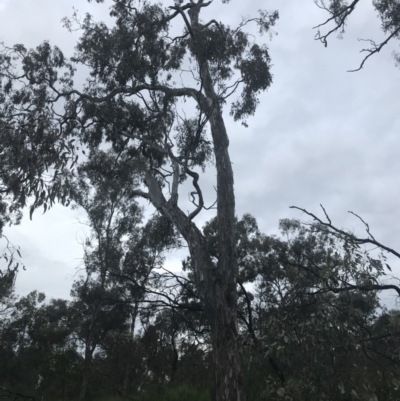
(131,102)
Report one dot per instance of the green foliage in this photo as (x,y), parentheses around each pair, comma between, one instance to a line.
(36,351)
(129,99)
(310,320)
(302,340)
(182,392)
(307,303)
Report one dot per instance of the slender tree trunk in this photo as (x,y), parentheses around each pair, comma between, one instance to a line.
(127,375)
(175,360)
(134,313)
(86,372)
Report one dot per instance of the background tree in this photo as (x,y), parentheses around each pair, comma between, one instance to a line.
(308,320)
(119,254)
(305,333)
(38,356)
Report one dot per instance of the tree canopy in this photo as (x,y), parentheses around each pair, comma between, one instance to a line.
(302,338)
(146,125)
(340,11)
(130,104)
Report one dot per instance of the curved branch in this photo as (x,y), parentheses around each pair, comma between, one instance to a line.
(174,92)
(172,303)
(179,10)
(375,48)
(347,235)
(340,18)
(199,207)
(372,287)
(380,337)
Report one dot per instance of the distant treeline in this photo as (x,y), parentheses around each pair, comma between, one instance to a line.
(134,330)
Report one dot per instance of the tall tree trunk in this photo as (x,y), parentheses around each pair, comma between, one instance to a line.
(228,374)
(229,381)
(226,347)
(216,285)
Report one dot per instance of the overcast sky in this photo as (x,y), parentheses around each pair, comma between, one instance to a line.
(321,135)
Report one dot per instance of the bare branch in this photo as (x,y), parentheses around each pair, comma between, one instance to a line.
(135,90)
(179,10)
(366,224)
(199,207)
(366,288)
(381,337)
(326,215)
(339,18)
(347,235)
(375,48)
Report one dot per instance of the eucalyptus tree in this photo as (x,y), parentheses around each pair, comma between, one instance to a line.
(119,253)
(131,101)
(310,319)
(37,352)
